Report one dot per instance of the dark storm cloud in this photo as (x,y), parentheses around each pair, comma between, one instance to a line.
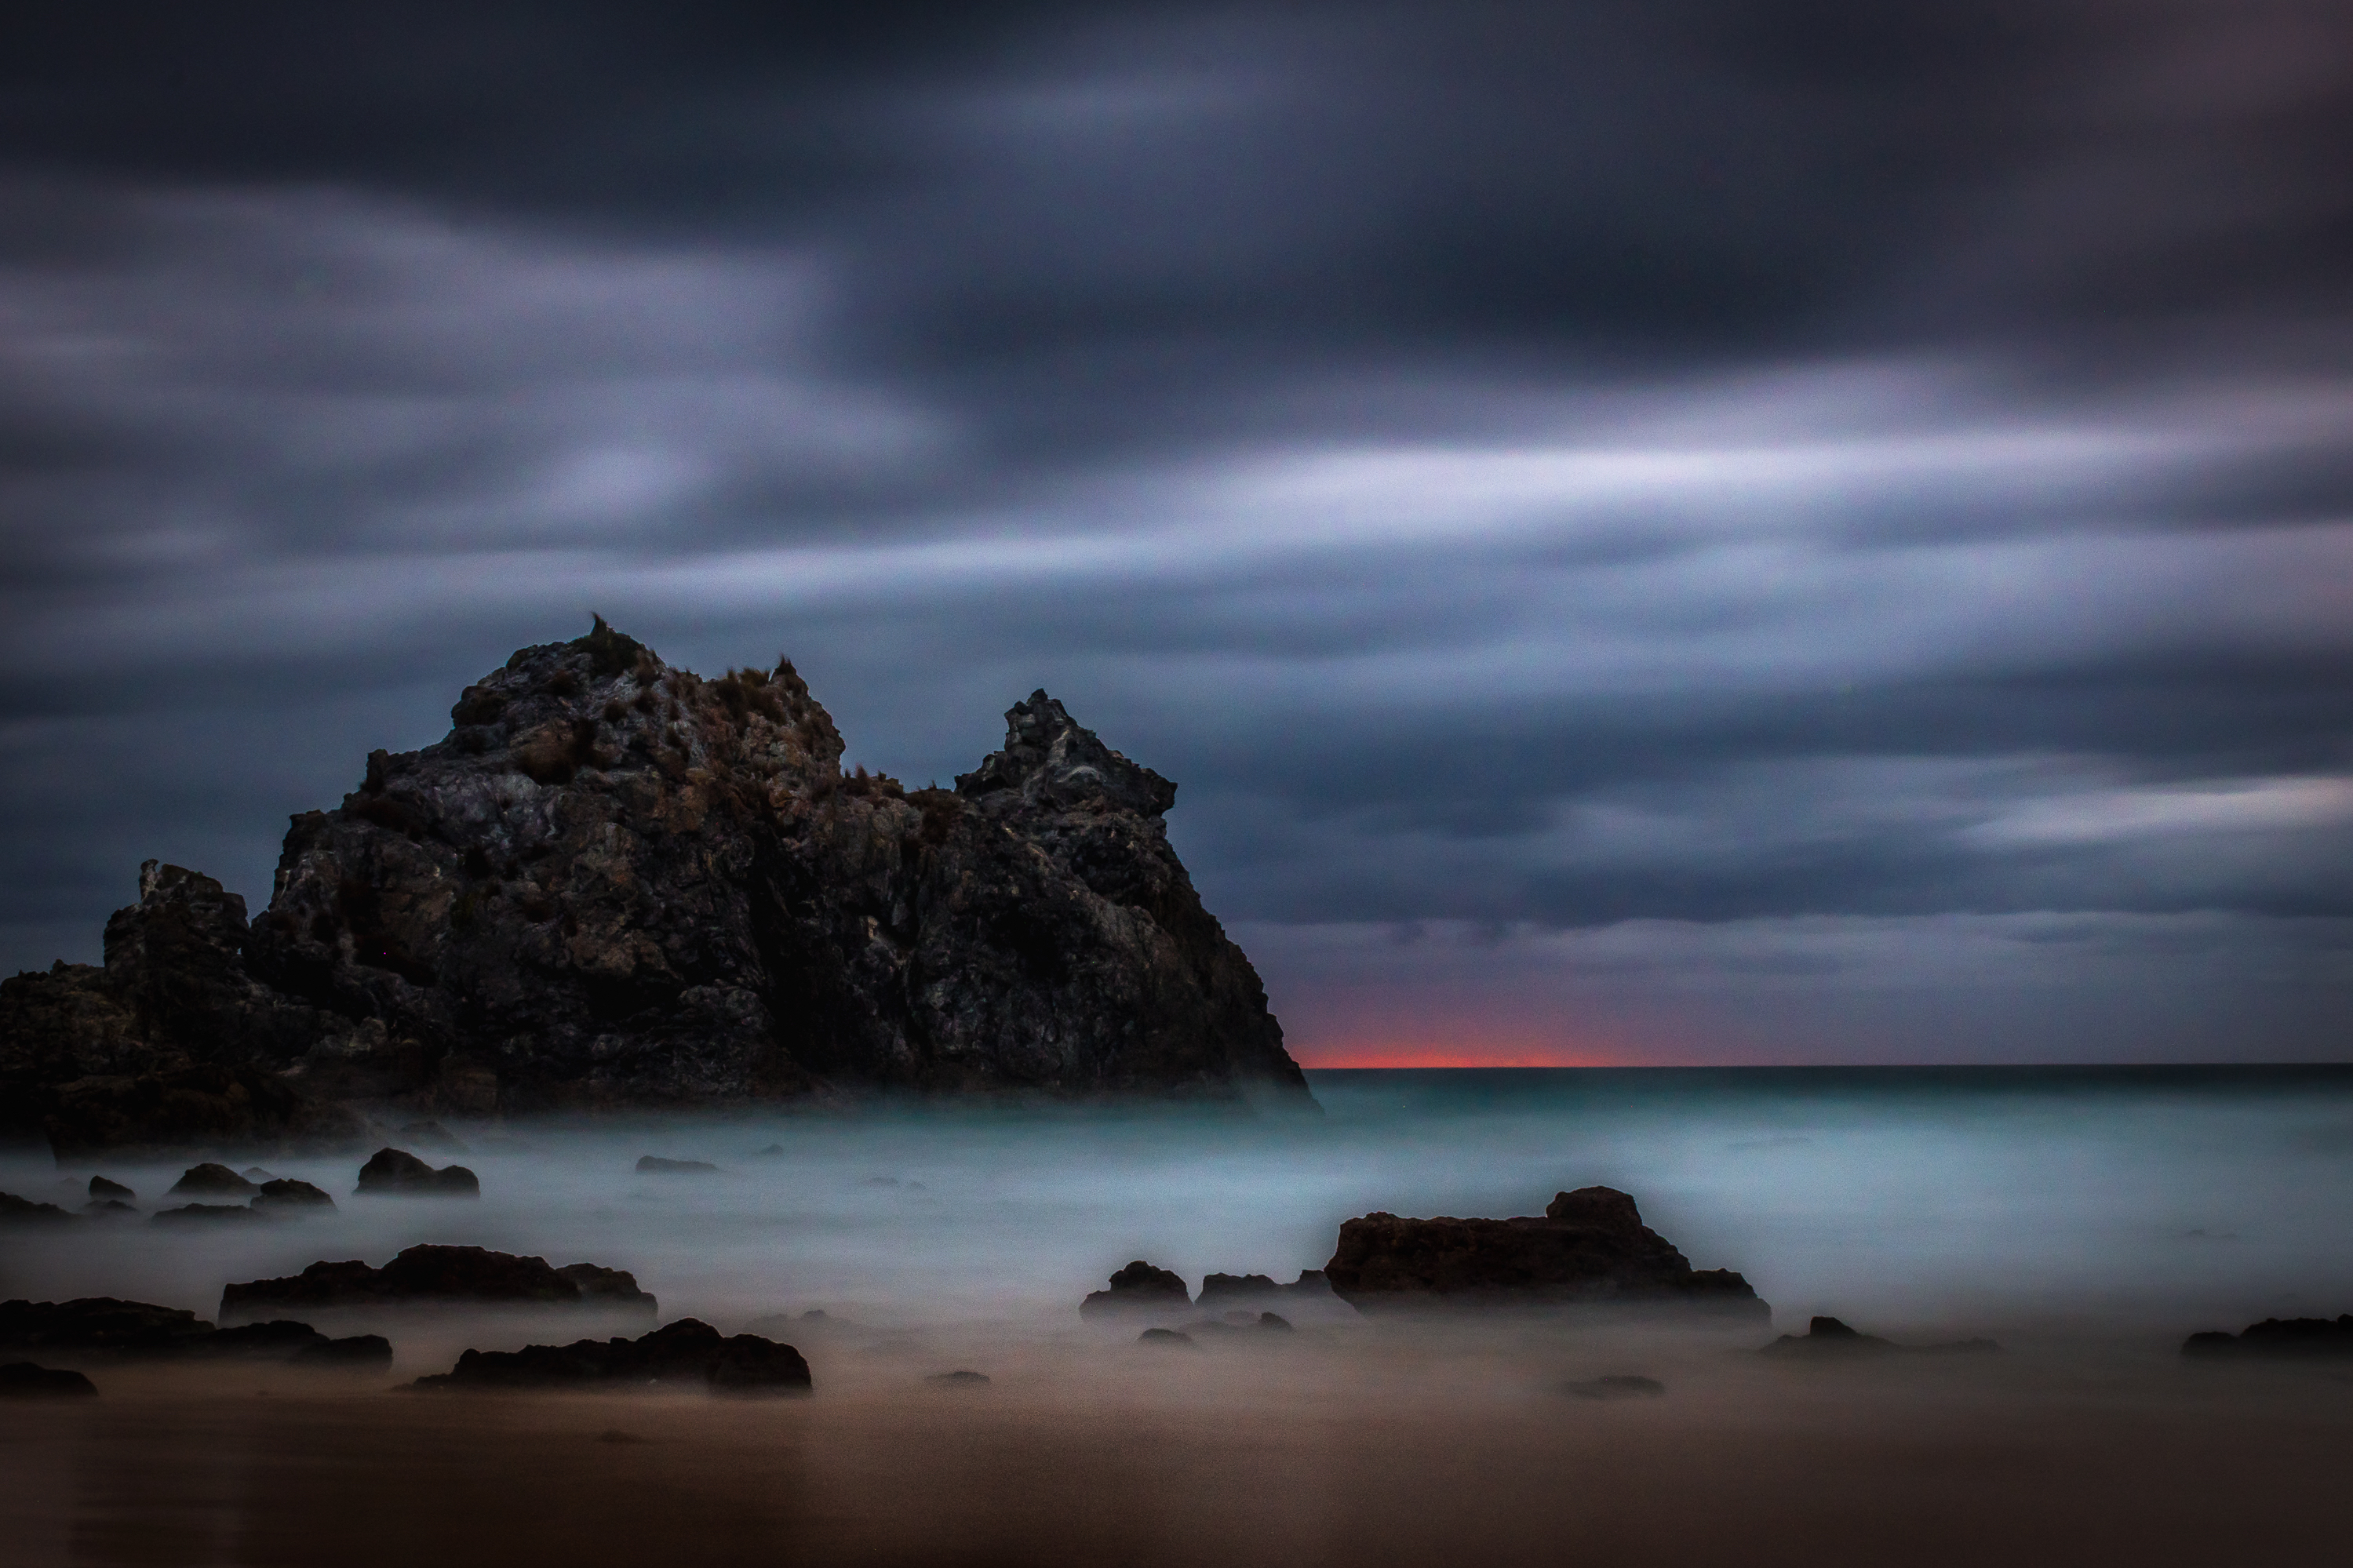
(1560,469)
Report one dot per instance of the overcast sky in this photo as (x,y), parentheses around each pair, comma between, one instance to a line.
(1679,531)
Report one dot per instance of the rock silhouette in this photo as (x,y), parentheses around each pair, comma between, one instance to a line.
(396,1173)
(1828,1339)
(429,1274)
(687,1352)
(25,1380)
(1138,1288)
(2287,1339)
(615,883)
(210,1181)
(105,1327)
(1589,1247)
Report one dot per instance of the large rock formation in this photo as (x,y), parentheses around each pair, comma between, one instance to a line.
(1589,1247)
(615,883)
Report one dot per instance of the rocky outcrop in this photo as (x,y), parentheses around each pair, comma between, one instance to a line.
(2286,1338)
(102,1189)
(440,1273)
(210,1181)
(16,1211)
(615,883)
(1138,1288)
(1590,1247)
(688,1352)
(396,1172)
(284,1193)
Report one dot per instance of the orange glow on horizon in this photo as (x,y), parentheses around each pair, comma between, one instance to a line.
(1457,1052)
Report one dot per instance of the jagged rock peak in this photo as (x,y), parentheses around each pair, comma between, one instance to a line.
(616,883)
(1048,757)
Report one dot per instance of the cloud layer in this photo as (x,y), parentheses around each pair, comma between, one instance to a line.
(1673,483)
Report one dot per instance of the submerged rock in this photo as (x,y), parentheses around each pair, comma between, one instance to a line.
(1617,1385)
(1165,1337)
(24,1380)
(209,1214)
(2289,1339)
(655,1166)
(1138,1288)
(1830,1338)
(435,1274)
(614,883)
(1589,1247)
(396,1172)
(688,1353)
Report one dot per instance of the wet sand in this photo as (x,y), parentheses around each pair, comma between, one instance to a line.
(1366,1445)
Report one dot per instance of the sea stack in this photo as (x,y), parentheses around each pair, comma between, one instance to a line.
(617,884)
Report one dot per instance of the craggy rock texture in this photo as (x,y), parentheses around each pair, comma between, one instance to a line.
(619,884)
(2280,1338)
(1138,1288)
(1589,1247)
(423,1273)
(688,1353)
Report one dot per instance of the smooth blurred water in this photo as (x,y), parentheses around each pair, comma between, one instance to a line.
(2136,1202)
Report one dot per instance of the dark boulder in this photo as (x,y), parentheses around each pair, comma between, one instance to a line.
(2285,1339)
(98,1323)
(687,1352)
(106,1327)
(399,1173)
(1589,1247)
(286,1192)
(16,1211)
(24,1380)
(437,1274)
(1617,1385)
(1828,1339)
(362,1352)
(616,884)
(1219,1291)
(209,1214)
(601,1287)
(655,1166)
(211,1181)
(1138,1288)
(100,1187)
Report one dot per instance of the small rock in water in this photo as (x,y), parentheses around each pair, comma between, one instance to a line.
(958,1379)
(284,1193)
(207,1214)
(24,1380)
(100,1187)
(397,1173)
(1139,1287)
(655,1166)
(2293,1339)
(212,1181)
(14,1210)
(1274,1322)
(1829,1338)
(686,1351)
(1164,1337)
(1617,1385)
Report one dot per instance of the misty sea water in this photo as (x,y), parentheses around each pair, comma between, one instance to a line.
(2132,1203)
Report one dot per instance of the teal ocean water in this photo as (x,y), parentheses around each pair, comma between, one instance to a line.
(2137,1203)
